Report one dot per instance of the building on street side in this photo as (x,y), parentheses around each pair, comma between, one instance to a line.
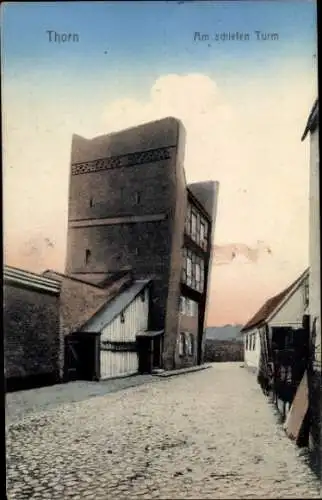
(314,379)
(276,342)
(130,208)
(80,303)
(32,336)
(116,326)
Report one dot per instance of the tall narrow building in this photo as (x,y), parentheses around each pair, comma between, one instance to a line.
(130,208)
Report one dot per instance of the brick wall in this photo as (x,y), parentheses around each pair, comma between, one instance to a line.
(219,350)
(79,301)
(150,183)
(31,334)
(170,358)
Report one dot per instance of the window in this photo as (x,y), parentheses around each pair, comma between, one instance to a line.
(189,270)
(193,225)
(254,342)
(182,344)
(91,202)
(198,272)
(190,308)
(283,373)
(184,266)
(199,276)
(195,308)
(188,219)
(143,296)
(196,227)
(137,198)
(202,275)
(190,344)
(193,270)
(306,293)
(87,256)
(189,266)
(202,234)
(122,317)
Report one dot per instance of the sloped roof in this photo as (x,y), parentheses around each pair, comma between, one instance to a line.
(61,277)
(14,275)
(113,308)
(272,304)
(312,119)
(150,333)
(81,300)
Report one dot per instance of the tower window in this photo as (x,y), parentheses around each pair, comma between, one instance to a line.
(87,255)
(91,202)
(137,198)
(182,344)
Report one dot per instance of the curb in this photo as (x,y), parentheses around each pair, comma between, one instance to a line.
(181,371)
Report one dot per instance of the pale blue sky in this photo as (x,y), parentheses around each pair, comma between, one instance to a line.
(149,39)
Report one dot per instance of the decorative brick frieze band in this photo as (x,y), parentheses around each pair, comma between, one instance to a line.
(128,160)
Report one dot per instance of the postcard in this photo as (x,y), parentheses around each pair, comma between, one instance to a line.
(162,317)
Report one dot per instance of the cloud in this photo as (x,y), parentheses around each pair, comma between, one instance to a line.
(245,135)
(248,139)
(225,254)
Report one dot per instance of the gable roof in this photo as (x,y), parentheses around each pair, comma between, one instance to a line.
(113,308)
(61,277)
(312,119)
(272,304)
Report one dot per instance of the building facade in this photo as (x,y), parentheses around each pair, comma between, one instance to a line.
(276,342)
(32,336)
(282,313)
(80,302)
(312,130)
(128,206)
(117,325)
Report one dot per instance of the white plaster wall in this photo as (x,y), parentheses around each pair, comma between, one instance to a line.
(251,357)
(135,321)
(114,364)
(315,274)
(291,313)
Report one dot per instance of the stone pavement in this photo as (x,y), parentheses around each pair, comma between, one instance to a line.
(209,434)
(19,404)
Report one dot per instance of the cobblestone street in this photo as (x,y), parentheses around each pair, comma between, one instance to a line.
(209,434)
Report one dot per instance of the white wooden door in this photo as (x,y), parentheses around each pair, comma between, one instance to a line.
(121,332)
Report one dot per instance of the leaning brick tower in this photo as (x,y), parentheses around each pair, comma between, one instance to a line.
(127,206)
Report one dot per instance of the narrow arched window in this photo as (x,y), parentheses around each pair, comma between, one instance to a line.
(87,256)
(191,345)
(182,344)
(137,198)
